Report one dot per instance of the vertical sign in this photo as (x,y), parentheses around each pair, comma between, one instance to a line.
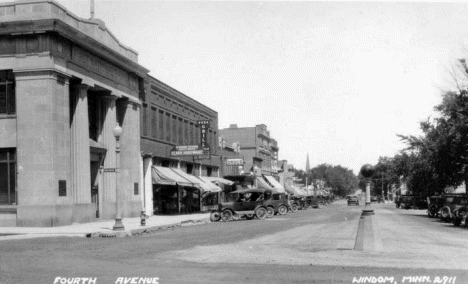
(204,125)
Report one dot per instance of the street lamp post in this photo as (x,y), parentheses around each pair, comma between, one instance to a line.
(367,171)
(118,226)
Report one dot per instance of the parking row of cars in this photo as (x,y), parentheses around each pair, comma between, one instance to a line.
(449,208)
(250,203)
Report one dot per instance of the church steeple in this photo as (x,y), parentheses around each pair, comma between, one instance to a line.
(307,164)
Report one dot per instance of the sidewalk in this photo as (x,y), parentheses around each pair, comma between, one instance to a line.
(104,228)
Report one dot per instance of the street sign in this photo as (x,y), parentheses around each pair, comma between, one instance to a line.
(232,162)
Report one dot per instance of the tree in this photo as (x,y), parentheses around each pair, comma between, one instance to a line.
(342,180)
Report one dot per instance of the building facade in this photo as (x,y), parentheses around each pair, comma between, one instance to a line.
(258,148)
(65,82)
(170,119)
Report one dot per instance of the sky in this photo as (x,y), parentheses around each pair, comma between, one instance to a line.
(335,80)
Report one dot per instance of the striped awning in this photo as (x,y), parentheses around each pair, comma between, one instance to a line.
(168,176)
(276,185)
(193,179)
(220,180)
(208,185)
(261,183)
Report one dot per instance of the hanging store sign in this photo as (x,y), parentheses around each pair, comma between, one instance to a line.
(204,125)
(187,150)
(232,162)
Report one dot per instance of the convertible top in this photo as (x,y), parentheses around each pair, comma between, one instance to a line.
(250,190)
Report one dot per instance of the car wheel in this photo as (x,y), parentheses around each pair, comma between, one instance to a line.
(282,210)
(249,216)
(445,213)
(433,210)
(270,212)
(215,217)
(294,207)
(261,213)
(236,217)
(320,205)
(397,205)
(226,215)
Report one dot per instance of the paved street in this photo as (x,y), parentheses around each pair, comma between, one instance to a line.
(311,246)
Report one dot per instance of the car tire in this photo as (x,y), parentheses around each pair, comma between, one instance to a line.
(226,215)
(270,212)
(294,207)
(249,216)
(320,205)
(433,211)
(397,205)
(282,210)
(215,217)
(261,213)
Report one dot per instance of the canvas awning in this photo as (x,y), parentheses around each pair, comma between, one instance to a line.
(162,175)
(220,180)
(292,189)
(276,185)
(211,187)
(193,179)
(261,183)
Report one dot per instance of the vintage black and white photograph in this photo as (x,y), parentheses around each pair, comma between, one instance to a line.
(206,142)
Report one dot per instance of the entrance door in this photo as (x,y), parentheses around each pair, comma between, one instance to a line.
(95,177)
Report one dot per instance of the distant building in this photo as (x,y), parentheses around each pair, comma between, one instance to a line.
(258,148)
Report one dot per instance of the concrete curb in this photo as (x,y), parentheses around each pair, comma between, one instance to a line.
(146,230)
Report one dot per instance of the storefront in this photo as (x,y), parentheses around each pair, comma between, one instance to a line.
(176,192)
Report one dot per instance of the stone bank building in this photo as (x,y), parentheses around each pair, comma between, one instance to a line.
(65,83)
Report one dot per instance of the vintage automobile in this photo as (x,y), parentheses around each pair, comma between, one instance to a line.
(248,203)
(295,203)
(404,201)
(459,216)
(276,203)
(452,202)
(353,200)
(315,201)
(434,204)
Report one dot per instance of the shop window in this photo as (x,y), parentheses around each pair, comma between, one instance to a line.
(8,177)
(209,171)
(7,92)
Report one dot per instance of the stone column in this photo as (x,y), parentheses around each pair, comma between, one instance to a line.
(108,140)
(148,185)
(130,157)
(80,157)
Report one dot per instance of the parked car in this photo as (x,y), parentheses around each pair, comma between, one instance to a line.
(248,203)
(314,201)
(353,200)
(405,201)
(276,203)
(452,202)
(434,204)
(460,215)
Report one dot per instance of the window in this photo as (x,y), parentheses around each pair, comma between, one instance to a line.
(154,123)
(168,127)
(8,176)
(161,125)
(145,120)
(7,92)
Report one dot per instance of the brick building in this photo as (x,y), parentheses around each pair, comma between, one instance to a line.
(169,119)
(64,84)
(258,148)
